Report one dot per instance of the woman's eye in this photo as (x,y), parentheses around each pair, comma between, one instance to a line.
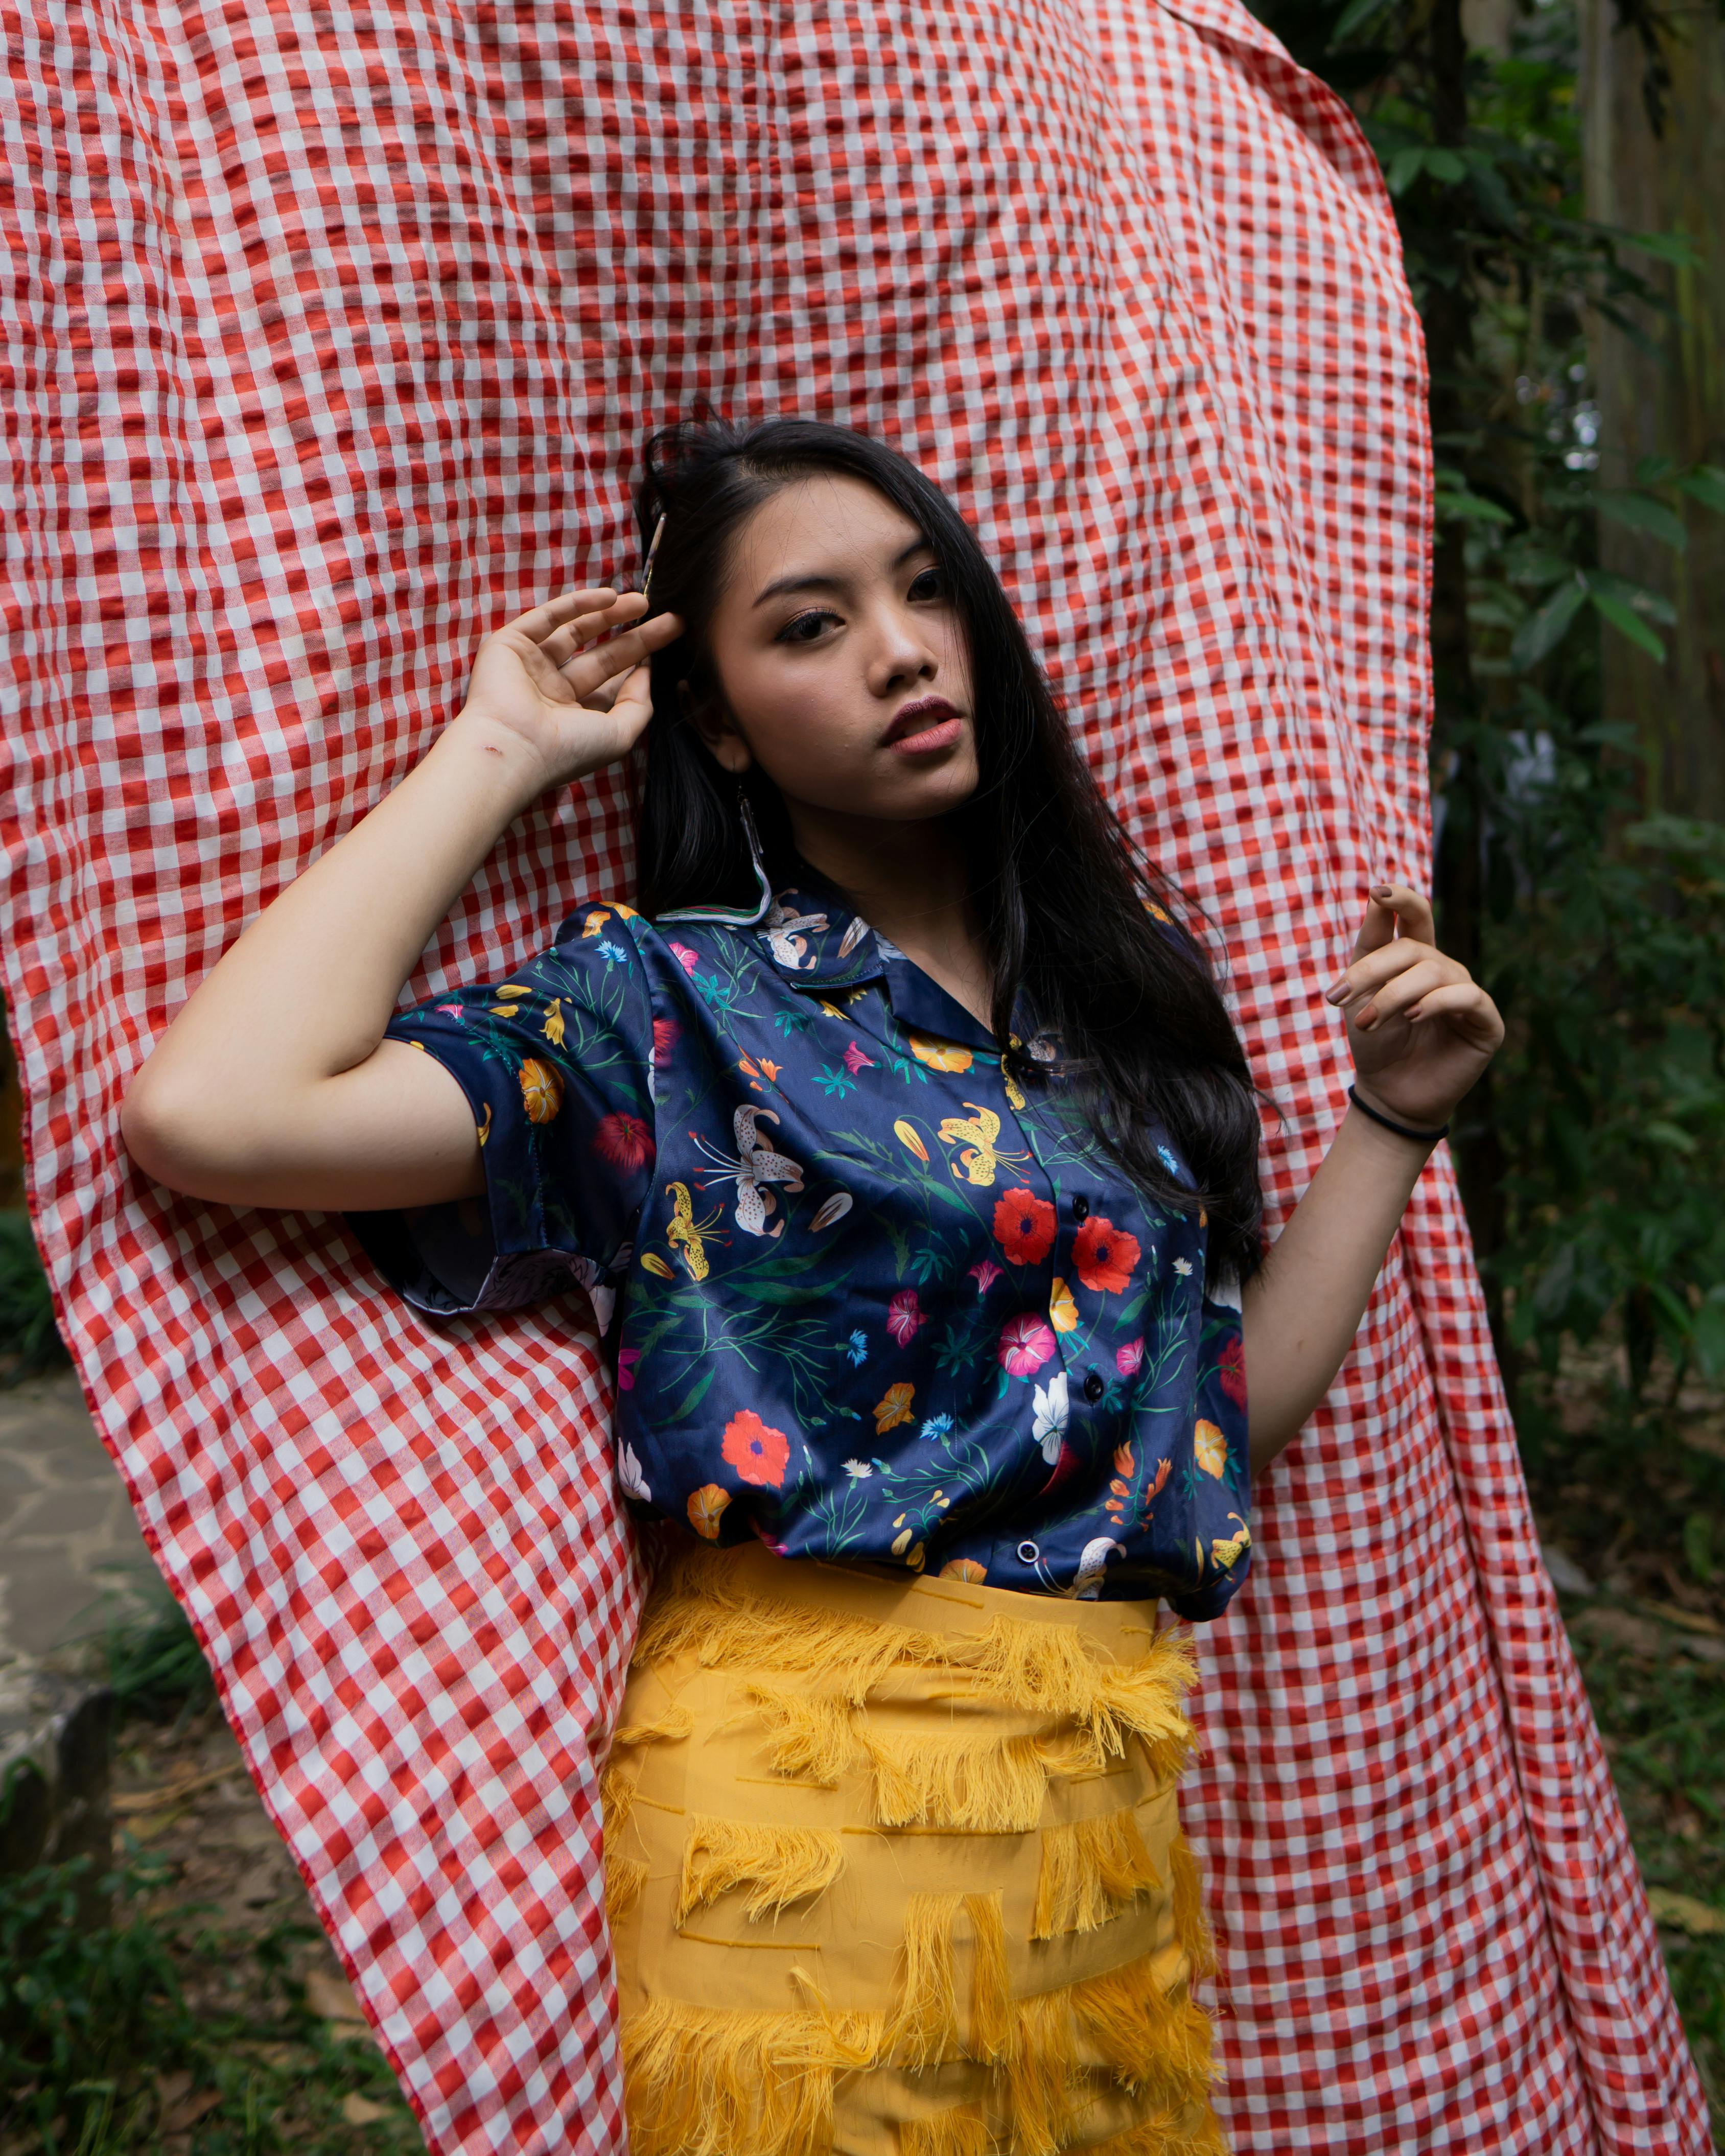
(805,628)
(927,586)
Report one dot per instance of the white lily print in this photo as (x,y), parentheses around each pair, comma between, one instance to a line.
(781,929)
(756,1166)
(1049,1413)
(630,1474)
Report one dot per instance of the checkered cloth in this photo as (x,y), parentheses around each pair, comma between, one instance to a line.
(332,333)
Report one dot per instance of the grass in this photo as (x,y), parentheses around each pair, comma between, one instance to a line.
(149,2034)
(207,2017)
(1630,1485)
(1663,1721)
(30,1341)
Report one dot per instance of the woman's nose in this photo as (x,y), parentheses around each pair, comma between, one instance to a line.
(903,654)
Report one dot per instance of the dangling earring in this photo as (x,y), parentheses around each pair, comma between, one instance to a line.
(735,916)
(762,882)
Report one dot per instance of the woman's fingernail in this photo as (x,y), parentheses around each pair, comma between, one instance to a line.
(1366,1019)
(1335,995)
(1383,891)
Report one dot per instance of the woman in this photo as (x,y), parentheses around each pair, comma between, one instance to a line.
(905,1149)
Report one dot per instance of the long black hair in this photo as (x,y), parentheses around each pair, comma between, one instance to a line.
(1059,898)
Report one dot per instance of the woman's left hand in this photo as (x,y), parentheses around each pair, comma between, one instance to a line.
(1421,1027)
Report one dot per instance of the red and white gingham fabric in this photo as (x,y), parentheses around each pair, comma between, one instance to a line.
(330,335)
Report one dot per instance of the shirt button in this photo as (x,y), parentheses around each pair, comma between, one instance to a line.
(1028,1552)
(1080,1208)
(1093,1386)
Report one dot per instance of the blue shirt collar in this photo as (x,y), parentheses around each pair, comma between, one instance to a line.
(818,942)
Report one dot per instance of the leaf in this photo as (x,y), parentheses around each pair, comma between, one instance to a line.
(1670,246)
(1544,631)
(706,1507)
(1654,471)
(1670,1135)
(1643,512)
(1650,605)
(1707,486)
(695,1395)
(1707,1333)
(1472,508)
(1404,168)
(1446,165)
(1352,16)
(1678,834)
(1685,1913)
(1626,620)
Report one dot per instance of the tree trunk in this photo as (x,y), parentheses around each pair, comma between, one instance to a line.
(1669,401)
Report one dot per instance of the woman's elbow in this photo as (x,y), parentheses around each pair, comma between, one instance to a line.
(173,1141)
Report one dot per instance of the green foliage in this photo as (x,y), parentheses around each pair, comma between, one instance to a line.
(102,2050)
(27,1321)
(1593,1162)
(156,1667)
(1664,1725)
(1613,1125)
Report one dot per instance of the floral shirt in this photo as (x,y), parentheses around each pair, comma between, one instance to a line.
(867,1296)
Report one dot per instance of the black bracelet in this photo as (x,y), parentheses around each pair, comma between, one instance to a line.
(1401,1130)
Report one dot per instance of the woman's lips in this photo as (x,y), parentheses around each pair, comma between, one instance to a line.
(937,735)
(923,729)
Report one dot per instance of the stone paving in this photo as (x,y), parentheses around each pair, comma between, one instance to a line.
(69,1543)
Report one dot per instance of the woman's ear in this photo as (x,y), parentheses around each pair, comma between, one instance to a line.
(711,720)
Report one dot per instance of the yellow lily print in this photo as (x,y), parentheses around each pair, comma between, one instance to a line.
(977,1133)
(1229,1552)
(553,1027)
(685,1229)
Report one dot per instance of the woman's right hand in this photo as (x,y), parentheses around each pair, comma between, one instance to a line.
(571,679)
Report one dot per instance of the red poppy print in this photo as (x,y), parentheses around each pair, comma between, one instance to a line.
(666,1034)
(624,1140)
(1231,1368)
(1104,1256)
(1024,1227)
(756,1450)
(1025,1345)
(904,1314)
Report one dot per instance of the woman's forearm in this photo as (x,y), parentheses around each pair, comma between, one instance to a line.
(307,992)
(1302,1309)
(275,1085)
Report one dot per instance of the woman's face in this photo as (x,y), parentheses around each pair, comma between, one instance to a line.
(843,664)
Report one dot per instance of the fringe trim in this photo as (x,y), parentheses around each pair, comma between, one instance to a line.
(617,1801)
(1170,2133)
(1192,1927)
(625,1877)
(704,2081)
(1031,1668)
(782,1863)
(990,1989)
(983,1784)
(1151,2044)
(925,2029)
(1091,1870)
(676,1722)
(951,2133)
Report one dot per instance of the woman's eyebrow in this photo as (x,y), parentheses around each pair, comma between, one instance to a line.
(782,586)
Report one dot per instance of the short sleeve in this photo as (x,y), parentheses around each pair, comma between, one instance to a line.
(1221,1408)
(555,1061)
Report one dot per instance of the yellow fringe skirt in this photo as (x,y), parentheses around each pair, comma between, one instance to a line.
(895,1869)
